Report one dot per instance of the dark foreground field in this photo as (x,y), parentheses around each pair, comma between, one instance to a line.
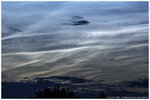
(82,88)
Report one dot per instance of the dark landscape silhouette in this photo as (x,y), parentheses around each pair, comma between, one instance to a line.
(55,85)
(57,92)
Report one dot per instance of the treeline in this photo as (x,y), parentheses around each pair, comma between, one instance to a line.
(57,92)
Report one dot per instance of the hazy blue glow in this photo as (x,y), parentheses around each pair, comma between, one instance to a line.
(112,47)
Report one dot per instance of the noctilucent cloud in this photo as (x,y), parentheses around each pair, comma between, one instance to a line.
(92,40)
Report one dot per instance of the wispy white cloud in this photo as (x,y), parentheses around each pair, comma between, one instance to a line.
(114,41)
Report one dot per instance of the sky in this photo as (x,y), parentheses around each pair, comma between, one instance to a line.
(92,40)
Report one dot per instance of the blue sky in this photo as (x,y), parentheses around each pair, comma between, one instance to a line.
(112,47)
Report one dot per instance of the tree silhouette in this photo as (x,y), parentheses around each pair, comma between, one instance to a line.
(55,92)
(102,95)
